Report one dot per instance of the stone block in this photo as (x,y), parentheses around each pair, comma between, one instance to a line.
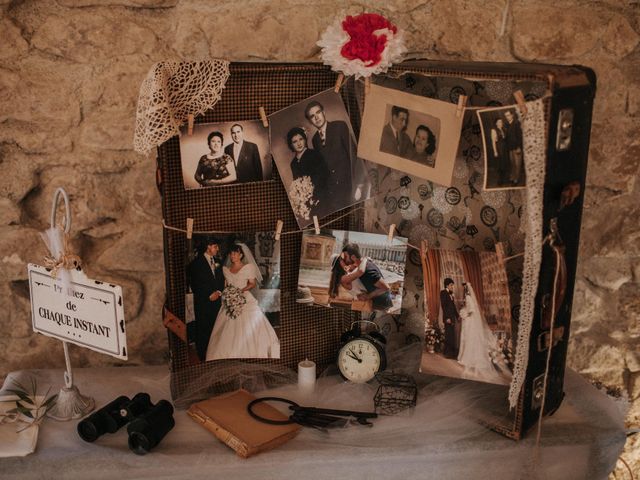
(13,44)
(561,32)
(9,212)
(619,38)
(597,358)
(606,272)
(93,35)
(138,250)
(19,247)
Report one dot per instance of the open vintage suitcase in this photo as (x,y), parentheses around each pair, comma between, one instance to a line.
(314,333)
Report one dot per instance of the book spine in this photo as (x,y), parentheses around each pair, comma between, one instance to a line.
(225,436)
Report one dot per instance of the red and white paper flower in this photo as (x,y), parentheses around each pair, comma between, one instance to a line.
(363,45)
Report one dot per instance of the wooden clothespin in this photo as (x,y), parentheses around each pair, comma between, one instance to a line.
(316,225)
(367,85)
(279,225)
(339,82)
(522,105)
(190,121)
(392,230)
(462,102)
(189,228)
(263,117)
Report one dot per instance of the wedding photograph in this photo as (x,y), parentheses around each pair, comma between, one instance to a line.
(503,149)
(225,154)
(411,133)
(468,332)
(233,295)
(352,270)
(314,149)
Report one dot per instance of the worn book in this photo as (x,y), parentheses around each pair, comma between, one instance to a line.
(227,418)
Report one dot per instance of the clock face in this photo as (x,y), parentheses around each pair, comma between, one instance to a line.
(359,360)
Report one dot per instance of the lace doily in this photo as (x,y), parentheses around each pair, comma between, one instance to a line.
(170,92)
(533,133)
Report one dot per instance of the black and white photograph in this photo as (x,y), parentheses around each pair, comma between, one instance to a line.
(468,330)
(233,295)
(410,133)
(353,270)
(503,148)
(224,154)
(314,149)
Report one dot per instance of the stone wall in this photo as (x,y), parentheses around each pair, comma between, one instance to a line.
(69,77)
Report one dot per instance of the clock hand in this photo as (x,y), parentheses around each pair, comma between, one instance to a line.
(353,355)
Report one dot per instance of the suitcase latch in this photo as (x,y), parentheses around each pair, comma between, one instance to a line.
(565,129)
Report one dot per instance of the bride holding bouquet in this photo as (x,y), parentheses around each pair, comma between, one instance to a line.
(241,329)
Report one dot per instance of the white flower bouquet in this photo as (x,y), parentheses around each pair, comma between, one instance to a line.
(301,196)
(233,300)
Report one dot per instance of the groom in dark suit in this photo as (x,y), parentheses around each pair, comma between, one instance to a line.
(336,145)
(394,138)
(206,279)
(245,156)
(451,319)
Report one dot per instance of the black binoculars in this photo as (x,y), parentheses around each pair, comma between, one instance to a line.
(148,423)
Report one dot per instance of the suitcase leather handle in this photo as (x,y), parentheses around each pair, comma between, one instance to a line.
(557,294)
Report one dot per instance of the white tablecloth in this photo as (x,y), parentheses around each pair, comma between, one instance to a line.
(582,440)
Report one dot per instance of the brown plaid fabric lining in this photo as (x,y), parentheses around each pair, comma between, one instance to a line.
(304,332)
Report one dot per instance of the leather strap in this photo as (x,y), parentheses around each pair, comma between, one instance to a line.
(174,324)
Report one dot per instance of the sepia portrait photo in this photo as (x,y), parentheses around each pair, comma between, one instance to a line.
(503,149)
(410,133)
(314,149)
(224,154)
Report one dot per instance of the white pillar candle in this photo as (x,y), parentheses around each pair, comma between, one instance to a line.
(306,376)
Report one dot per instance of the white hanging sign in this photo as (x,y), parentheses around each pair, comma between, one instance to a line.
(86,312)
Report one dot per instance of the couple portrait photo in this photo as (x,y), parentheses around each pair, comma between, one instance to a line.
(468,326)
(503,148)
(314,149)
(352,270)
(411,133)
(232,302)
(224,154)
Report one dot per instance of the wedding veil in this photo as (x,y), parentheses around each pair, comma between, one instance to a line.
(474,302)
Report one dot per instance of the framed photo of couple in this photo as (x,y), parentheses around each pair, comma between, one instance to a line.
(410,133)
(314,149)
(353,270)
(503,148)
(225,154)
(468,318)
(233,296)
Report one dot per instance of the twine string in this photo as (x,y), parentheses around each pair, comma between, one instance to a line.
(67,259)
(289,232)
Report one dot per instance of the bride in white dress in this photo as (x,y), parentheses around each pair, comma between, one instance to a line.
(476,338)
(249,335)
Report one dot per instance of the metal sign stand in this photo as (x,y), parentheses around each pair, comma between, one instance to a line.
(71,404)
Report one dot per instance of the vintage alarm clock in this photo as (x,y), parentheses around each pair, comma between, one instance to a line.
(361,355)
